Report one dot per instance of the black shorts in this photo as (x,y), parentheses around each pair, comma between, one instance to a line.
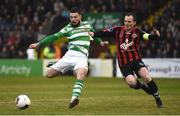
(132,67)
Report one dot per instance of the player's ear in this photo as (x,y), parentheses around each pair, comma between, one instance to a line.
(134,22)
(80,16)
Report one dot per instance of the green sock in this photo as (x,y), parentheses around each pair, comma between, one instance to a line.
(77,89)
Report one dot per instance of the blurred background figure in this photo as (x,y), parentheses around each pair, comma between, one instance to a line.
(31,54)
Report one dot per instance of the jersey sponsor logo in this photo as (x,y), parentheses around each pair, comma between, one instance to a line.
(134,35)
(69,29)
(126,45)
(79,30)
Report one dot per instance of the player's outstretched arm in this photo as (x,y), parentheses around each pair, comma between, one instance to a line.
(47,40)
(155,35)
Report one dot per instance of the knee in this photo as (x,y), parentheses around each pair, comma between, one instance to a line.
(81,73)
(50,73)
(132,86)
(147,79)
(131,81)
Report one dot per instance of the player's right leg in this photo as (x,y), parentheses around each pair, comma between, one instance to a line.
(128,74)
(77,89)
(80,71)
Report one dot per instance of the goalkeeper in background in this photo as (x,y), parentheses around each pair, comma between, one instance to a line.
(77,55)
(127,40)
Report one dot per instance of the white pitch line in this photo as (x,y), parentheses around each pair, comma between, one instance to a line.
(3,102)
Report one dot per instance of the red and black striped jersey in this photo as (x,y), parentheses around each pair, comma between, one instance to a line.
(127,43)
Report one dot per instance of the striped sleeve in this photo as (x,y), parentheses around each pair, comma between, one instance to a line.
(51,38)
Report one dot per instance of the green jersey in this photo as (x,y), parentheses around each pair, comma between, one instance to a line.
(78,37)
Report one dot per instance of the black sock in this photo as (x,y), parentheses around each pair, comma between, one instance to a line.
(138,85)
(143,86)
(153,88)
(146,88)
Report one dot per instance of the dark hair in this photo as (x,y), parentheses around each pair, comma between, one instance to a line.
(76,10)
(131,14)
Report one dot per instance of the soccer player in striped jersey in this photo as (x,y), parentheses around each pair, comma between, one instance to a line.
(127,40)
(76,56)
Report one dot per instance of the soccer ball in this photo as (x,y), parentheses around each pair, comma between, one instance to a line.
(22,101)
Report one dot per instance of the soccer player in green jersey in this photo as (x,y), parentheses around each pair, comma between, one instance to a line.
(76,57)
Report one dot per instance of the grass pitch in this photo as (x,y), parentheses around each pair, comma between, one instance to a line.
(101,96)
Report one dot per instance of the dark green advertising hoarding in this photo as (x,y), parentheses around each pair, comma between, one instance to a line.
(26,68)
(104,20)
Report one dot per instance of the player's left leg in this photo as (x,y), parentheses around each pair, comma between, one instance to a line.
(144,74)
(51,72)
(77,89)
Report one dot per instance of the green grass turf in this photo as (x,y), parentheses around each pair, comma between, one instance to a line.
(101,96)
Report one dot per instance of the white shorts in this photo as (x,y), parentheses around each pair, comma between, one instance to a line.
(72,60)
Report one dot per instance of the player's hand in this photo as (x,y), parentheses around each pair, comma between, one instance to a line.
(34,45)
(91,34)
(103,43)
(156,32)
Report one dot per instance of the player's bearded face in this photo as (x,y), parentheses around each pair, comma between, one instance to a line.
(75,19)
(129,22)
